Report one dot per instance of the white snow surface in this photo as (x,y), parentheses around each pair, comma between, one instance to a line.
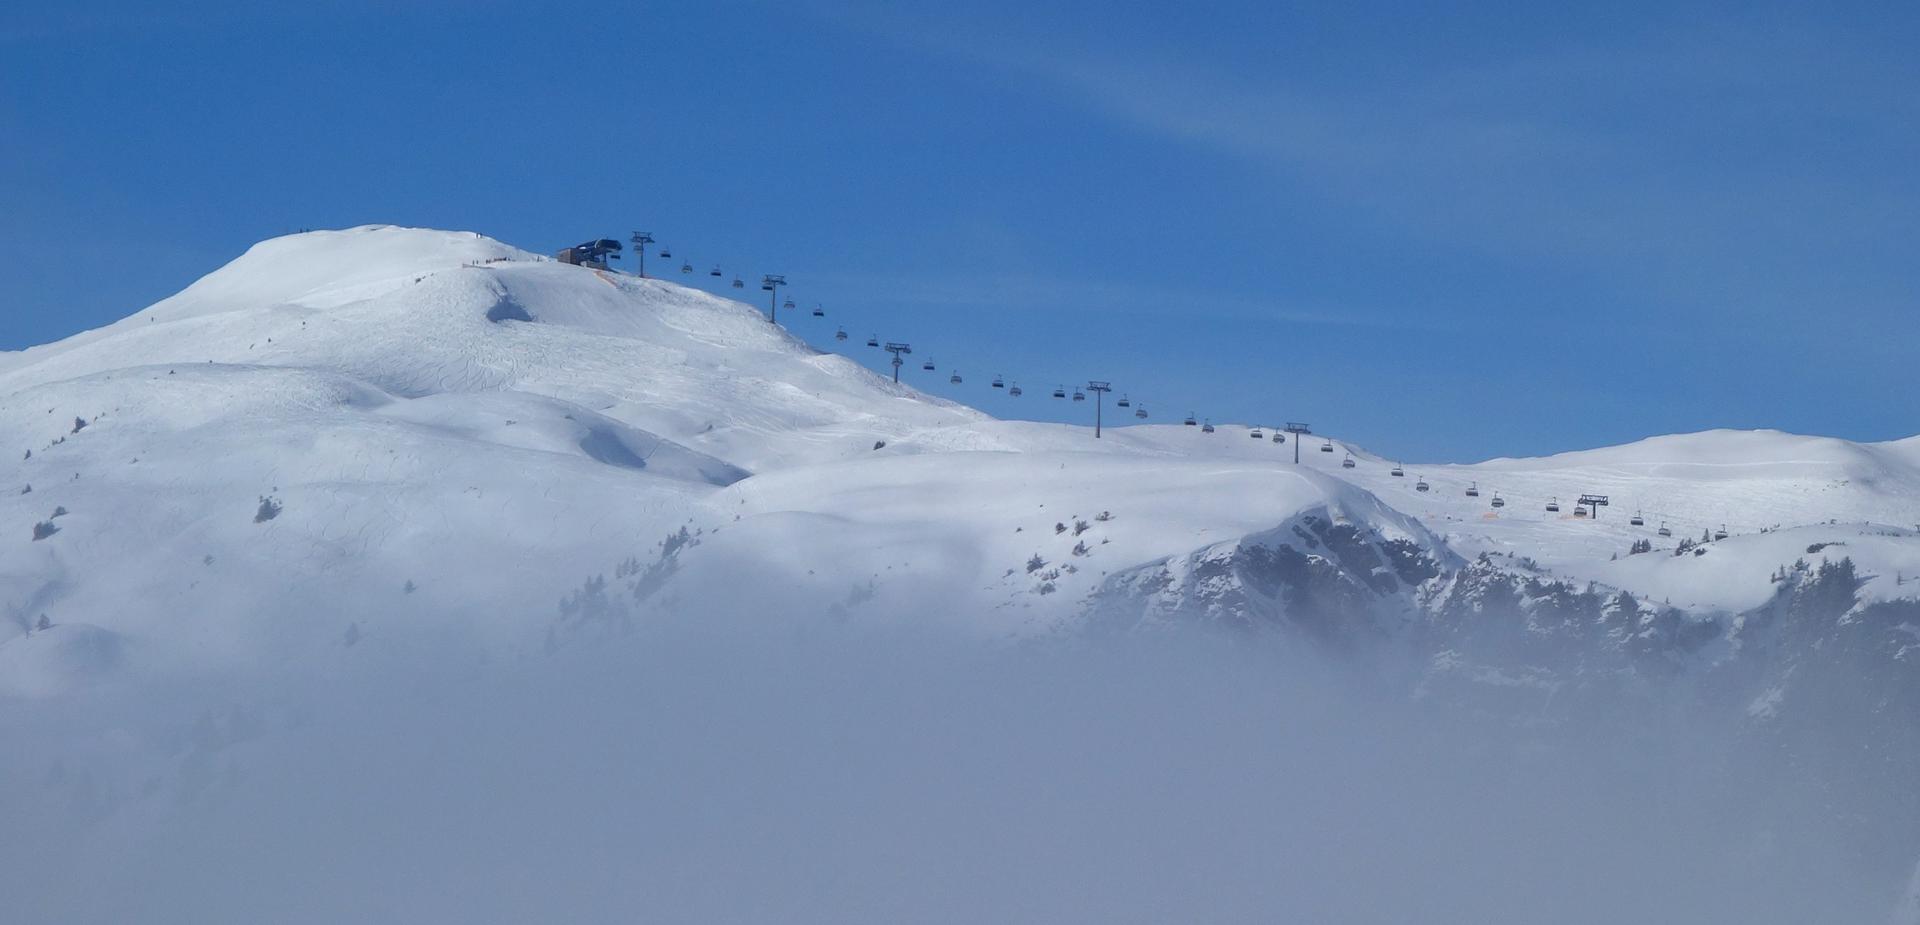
(353,422)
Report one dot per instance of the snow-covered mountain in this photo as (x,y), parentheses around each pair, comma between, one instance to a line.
(340,418)
(408,438)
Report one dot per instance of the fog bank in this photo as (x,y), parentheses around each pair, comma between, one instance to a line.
(857,776)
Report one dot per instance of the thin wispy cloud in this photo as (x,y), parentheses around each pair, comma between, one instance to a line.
(1662,152)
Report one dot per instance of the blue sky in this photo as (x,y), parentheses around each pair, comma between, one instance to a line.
(1445,234)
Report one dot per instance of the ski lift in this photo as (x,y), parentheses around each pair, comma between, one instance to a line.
(1256,434)
(715,271)
(1140,412)
(1637,520)
(1079,395)
(686,267)
(999,383)
(819,312)
(1553,505)
(1721,533)
(1398,472)
(1207,428)
(1326,447)
(1279,437)
(873,340)
(840,334)
(1420,485)
(788,305)
(1190,420)
(1663,531)
(928,366)
(1347,463)
(766,285)
(1499,501)
(1473,490)
(1014,391)
(1124,403)
(1059,391)
(955,378)
(666,253)
(737,284)
(1579,511)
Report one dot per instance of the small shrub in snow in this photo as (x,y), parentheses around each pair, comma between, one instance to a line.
(1081,526)
(59,511)
(269,509)
(44,624)
(44,529)
(879,444)
(1035,564)
(1059,528)
(1640,546)
(1080,549)
(79,424)
(410,587)
(1103,516)
(1046,587)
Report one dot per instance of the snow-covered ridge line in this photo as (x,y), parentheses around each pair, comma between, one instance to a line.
(475,431)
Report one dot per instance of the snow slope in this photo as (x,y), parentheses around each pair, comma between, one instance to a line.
(339,424)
